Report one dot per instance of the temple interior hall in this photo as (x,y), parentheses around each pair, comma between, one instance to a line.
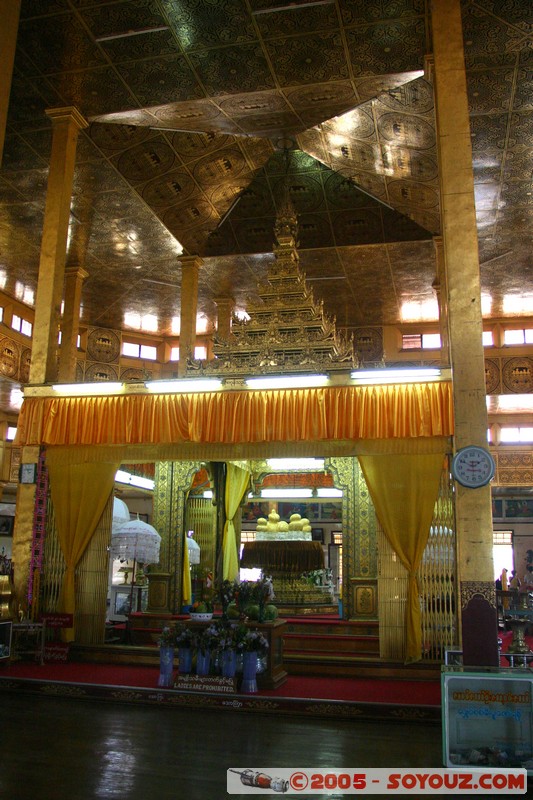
(266,388)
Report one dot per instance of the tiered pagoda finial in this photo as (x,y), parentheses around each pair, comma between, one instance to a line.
(287,330)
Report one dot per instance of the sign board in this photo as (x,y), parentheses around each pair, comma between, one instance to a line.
(487,718)
(56,651)
(58,620)
(209,683)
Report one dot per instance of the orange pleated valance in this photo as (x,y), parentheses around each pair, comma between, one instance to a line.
(231,417)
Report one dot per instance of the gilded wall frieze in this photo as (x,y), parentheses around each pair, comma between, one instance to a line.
(95,372)
(514,468)
(508,477)
(515,460)
(103,344)
(9,357)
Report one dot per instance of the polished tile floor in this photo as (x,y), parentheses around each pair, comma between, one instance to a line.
(67,749)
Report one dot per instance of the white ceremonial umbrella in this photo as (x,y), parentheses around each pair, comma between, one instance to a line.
(121,514)
(194,551)
(135,540)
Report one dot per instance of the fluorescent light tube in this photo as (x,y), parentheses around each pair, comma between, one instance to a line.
(181,386)
(287,382)
(286,493)
(294,464)
(101,387)
(407,375)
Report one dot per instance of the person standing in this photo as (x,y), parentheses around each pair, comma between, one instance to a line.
(505,588)
(514,583)
(504,580)
(527,581)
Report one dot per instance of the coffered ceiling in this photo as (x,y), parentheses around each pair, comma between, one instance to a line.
(201,110)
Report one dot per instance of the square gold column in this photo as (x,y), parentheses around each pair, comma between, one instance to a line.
(190,266)
(74,277)
(461,261)
(66,123)
(9,14)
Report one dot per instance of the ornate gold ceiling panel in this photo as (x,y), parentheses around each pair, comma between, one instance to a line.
(191,104)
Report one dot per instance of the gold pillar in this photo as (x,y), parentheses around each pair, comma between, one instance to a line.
(23,531)
(359,540)
(9,13)
(66,123)
(190,266)
(473,506)
(440,286)
(74,277)
(225,306)
(173,480)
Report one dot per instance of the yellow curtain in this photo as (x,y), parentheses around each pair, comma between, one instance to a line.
(346,413)
(79,493)
(186,585)
(237,481)
(404,489)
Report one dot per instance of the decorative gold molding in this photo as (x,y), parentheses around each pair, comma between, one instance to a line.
(364,598)
(173,481)
(470,589)
(359,544)
(513,467)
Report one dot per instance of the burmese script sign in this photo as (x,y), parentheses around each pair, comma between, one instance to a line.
(58,620)
(56,651)
(207,683)
(488,719)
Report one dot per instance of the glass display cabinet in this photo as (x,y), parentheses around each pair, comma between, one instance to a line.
(6,632)
(487,717)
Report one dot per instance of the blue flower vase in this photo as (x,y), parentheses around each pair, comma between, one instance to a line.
(166,666)
(229,663)
(203,662)
(185,660)
(249,673)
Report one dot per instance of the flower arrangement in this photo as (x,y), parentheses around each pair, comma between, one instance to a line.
(227,638)
(263,591)
(226,595)
(167,637)
(243,592)
(318,577)
(253,641)
(208,641)
(184,636)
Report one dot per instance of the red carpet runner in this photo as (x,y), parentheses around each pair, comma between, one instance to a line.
(403,692)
